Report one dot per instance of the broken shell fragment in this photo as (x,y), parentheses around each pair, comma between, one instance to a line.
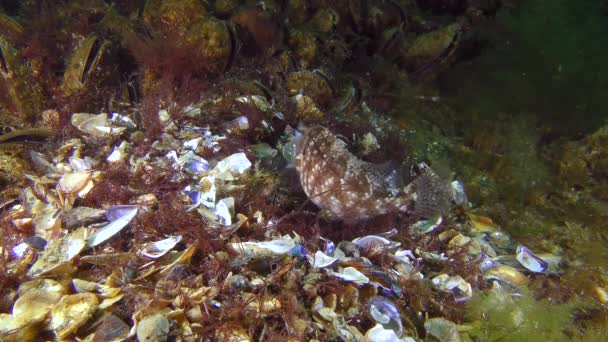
(71,183)
(265,248)
(95,124)
(111,328)
(458,195)
(237,125)
(461,290)
(59,253)
(34,306)
(375,241)
(153,328)
(12,329)
(231,166)
(197,166)
(258,101)
(426,226)
(80,165)
(385,312)
(157,249)
(71,312)
(81,285)
(20,249)
(530,260)
(322,260)
(486,263)
(351,274)
(506,275)
(379,334)
(120,216)
(81,216)
(117,211)
(224,210)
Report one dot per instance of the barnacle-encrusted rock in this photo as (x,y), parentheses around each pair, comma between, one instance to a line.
(353,189)
(310,83)
(324,20)
(304,46)
(19,90)
(211,40)
(173,16)
(432,52)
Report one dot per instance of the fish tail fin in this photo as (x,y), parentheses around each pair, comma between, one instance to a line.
(432,193)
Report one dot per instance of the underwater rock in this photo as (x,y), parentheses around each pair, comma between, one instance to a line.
(353,189)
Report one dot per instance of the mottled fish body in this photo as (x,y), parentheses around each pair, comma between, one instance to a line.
(353,189)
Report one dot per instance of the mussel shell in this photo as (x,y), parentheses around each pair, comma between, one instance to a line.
(83,70)
(530,260)
(71,312)
(385,312)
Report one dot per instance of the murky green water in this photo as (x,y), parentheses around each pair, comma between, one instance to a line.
(531,106)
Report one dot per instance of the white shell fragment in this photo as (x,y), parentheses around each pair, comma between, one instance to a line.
(80,165)
(117,211)
(192,144)
(529,260)
(189,162)
(351,274)
(157,249)
(115,155)
(486,263)
(230,166)
(375,241)
(122,120)
(118,152)
(405,255)
(95,124)
(20,249)
(40,162)
(461,290)
(265,248)
(120,217)
(205,194)
(385,312)
(224,210)
(322,260)
(239,124)
(379,334)
(73,182)
(458,195)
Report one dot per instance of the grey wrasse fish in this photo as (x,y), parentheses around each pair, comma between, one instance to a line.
(353,189)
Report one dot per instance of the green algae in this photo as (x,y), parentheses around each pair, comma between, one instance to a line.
(499,316)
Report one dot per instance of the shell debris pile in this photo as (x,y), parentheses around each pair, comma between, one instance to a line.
(233,270)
